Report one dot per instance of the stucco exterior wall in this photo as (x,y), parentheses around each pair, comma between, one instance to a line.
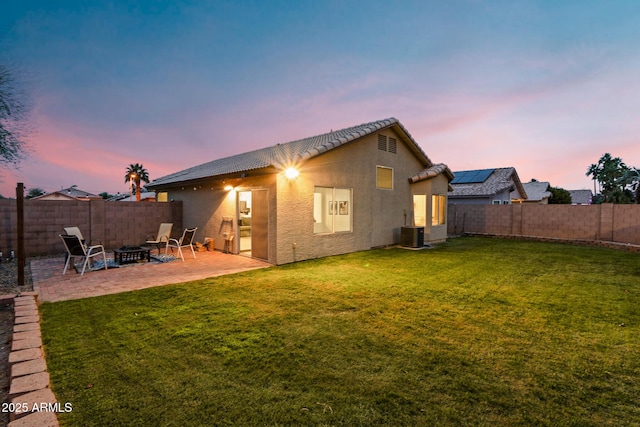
(438,186)
(209,207)
(377,214)
(296,200)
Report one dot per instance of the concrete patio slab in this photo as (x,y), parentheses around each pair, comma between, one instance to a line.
(51,285)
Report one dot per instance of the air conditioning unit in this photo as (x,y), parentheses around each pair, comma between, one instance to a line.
(412,237)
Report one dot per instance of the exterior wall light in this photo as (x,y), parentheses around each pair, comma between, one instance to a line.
(228,188)
(291,173)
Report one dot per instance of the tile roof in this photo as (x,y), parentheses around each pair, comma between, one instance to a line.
(72,192)
(432,172)
(536,191)
(281,155)
(501,179)
(581,197)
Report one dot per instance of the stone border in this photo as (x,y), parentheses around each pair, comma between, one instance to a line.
(29,391)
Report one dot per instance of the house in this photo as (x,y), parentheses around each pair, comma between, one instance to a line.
(145,196)
(487,186)
(71,193)
(537,193)
(581,197)
(339,192)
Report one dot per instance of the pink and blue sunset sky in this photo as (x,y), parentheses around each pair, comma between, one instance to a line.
(544,86)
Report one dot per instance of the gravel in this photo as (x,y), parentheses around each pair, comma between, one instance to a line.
(9,278)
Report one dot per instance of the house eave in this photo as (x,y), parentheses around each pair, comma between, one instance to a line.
(211,180)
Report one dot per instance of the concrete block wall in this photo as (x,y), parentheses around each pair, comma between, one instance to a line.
(606,222)
(627,224)
(113,224)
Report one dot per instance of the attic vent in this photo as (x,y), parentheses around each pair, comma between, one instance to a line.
(392,145)
(387,144)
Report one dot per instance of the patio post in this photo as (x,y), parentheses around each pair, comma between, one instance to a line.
(20,212)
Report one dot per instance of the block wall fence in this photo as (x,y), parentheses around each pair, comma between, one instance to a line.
(605,222)
(114,224)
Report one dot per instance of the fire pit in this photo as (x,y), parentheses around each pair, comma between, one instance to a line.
(130,254)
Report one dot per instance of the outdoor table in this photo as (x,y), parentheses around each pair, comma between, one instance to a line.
(130,254)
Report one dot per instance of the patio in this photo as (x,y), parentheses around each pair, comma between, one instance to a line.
(52,286)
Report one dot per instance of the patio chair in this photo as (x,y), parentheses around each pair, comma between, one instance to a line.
(75,231)
(187,239)
(162,238)
(75,248)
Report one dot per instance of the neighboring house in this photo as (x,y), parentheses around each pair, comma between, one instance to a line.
(145,196)
(486,186)
(339,192)
(536,193)
(581,197)
(71,193)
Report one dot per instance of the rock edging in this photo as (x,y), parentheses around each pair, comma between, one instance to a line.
(31,401)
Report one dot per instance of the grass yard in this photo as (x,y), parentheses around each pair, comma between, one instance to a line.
(475,332)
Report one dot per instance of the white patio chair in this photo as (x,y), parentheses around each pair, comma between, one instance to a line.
(162,238)
(75,247)
(187,239)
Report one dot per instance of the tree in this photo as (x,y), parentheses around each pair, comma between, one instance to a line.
(609,172)
(105,195)
(15,107)
(34,192)
(631,182)
(559,196)
(138,173)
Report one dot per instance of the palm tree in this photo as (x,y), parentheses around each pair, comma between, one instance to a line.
(594,170)
(608,172)
(138,173)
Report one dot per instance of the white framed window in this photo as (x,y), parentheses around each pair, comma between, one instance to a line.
(332,210)
(438,209)
(384,177)
(496,202)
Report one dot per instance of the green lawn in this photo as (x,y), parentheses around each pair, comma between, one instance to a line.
(474,332)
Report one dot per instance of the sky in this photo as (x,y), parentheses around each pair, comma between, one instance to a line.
(544,86)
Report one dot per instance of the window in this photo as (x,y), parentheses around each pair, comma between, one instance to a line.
(384,177)
(163,196)
(419,210)
(438,209)
(332,210)
(496,202)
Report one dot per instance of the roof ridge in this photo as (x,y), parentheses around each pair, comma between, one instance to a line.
(367,128)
